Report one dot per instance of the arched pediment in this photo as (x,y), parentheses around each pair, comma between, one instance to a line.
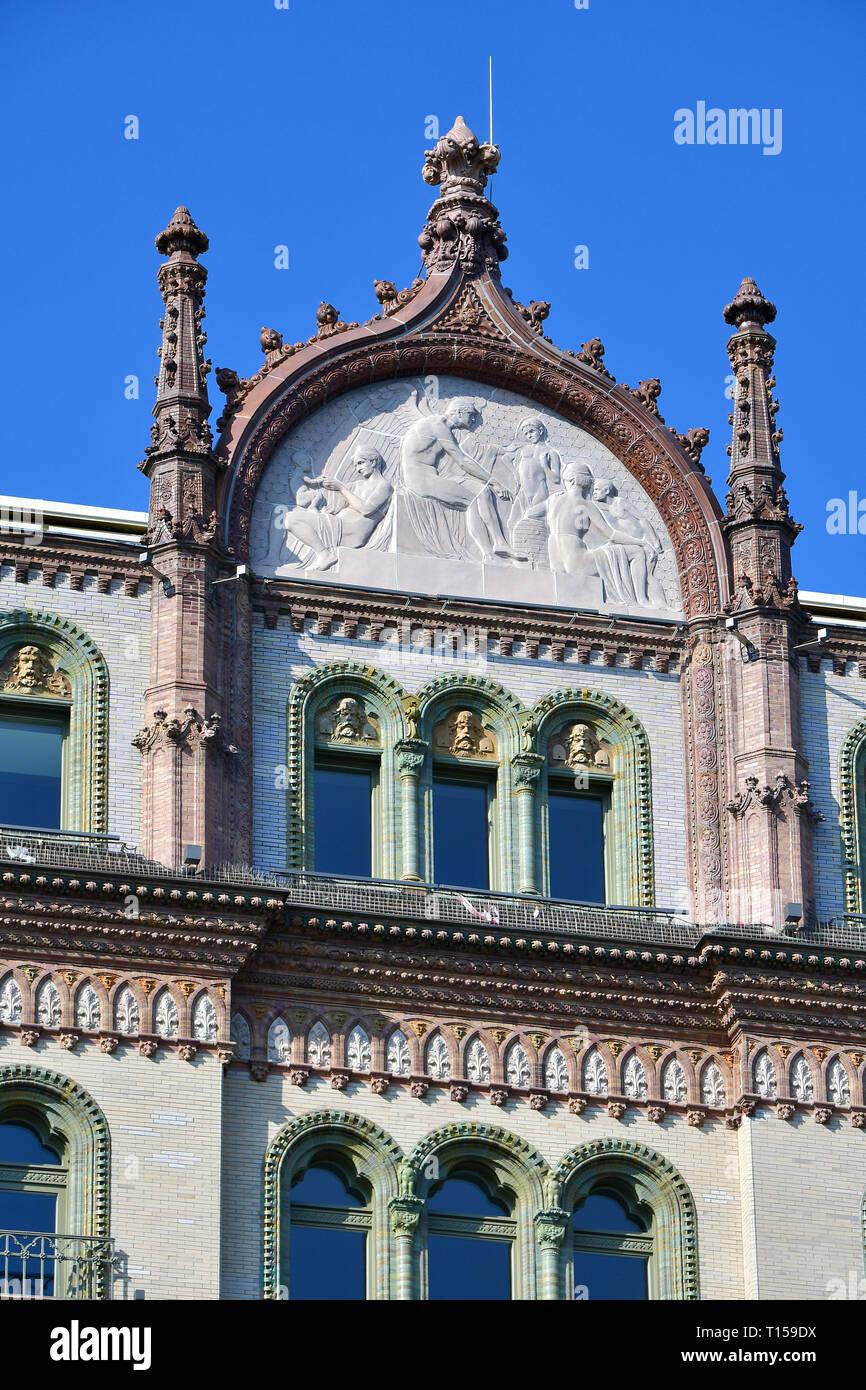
(374,386)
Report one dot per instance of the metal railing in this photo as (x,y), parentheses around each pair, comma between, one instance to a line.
(487,913)
(34,1264)
(76,850)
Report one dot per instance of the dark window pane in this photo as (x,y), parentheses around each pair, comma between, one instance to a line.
(463,1197)
(344,822)
(600,1213)
(25,1268)
(576,846)
(460,852)
(610,1276)
(30,769)
(21,1144)
(467,1270)
(326,1264)
(321,1188)
(27,1211)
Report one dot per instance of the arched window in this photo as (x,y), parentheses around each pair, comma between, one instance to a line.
(595,790)
(398,1056)
(633,1229)
(346,810)
(55,1172)
(470,1236)
(279,1042)
(764,1074)
(204,1019)
(612,1247)
(32,1202)
(345,721)
(465,754)
(329,1219)
(53,724)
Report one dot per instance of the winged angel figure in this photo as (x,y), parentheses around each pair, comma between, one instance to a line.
(409,449)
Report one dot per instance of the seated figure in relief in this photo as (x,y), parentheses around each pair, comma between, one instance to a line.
(329,513)
(631,566)
(457,494)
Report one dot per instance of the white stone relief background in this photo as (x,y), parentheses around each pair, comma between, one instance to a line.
(439,485)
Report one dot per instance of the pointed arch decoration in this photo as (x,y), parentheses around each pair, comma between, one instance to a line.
(75,655)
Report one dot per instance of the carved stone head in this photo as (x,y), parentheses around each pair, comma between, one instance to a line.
(533,430)
(346,721)
(576,477)
(30,669)
(602,490)
(577,746)
(366,460)
(463,735)
(463,414)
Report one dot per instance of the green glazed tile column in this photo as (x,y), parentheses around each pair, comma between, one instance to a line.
(410,754)
(525,769)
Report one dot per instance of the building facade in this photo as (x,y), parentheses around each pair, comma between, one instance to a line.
(433,849)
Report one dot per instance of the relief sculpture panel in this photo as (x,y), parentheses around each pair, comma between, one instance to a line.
(442,486)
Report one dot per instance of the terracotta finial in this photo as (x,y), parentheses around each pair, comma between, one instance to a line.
(749,306)
(182,234)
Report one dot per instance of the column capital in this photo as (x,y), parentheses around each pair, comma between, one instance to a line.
(526,768)
(410,754)
(405,1214)
(551,1225)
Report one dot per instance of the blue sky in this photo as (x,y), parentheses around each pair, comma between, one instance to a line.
(305,127)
